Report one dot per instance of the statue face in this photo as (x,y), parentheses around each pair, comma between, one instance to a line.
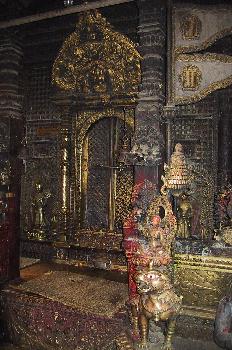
(150,281)
(156,220)
(137,214)
(184,196)
(178,148)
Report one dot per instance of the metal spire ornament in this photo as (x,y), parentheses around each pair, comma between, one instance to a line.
(177,177)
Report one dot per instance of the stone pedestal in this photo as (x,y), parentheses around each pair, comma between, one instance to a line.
(202,275)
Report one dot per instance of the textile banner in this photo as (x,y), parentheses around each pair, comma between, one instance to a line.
(198,75)
(197,27)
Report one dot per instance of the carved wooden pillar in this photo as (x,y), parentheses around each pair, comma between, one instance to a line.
(11,127)
(152,35)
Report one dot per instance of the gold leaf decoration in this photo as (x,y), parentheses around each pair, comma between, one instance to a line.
(96,59)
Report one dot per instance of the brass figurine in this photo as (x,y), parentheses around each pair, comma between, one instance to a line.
(178,181)
(39,203)
(184,217)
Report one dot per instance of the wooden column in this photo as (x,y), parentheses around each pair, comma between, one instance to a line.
(11,127)
(152,36)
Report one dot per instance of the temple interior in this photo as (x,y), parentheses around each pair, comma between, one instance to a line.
(115,174)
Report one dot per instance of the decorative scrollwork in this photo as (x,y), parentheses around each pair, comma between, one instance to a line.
(96,59)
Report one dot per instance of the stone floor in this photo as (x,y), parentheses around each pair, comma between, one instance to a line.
(180,344)
(187,344)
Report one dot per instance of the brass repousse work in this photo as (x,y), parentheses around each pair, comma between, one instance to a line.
(190,78)
(97,59)
(202,280)
(190,27)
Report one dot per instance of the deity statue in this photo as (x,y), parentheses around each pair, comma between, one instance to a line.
(39,204)
(158,242)
(97,79)
(148,238)
(184,217)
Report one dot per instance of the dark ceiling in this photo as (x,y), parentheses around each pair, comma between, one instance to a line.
(10,9)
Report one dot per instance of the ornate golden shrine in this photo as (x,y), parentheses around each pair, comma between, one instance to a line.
(98,72)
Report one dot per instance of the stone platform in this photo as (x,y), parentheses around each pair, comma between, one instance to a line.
(63,310)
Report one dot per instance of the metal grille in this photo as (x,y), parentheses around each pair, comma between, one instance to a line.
(102,170)
(197,135)
(98,179)
(38,105)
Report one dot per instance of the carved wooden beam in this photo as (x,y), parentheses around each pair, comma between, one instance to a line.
(61,12)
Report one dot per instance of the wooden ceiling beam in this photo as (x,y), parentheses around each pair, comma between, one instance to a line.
(63,12)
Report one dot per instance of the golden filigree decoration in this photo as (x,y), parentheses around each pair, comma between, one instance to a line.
(97,59)
(190,27)
(87,118)
(177,174)
(190,78)
(212,57)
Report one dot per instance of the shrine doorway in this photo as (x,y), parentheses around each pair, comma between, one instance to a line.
(106,184)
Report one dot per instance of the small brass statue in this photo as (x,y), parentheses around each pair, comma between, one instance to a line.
(184,217)
(39,204)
